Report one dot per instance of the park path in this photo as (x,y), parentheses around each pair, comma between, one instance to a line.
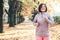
(26,31)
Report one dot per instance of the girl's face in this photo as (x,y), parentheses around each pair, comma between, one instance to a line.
(43,8)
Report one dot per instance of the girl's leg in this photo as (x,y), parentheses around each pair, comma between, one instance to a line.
(39,38)
(46,38)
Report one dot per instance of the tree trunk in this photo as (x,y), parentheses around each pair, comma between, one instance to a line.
(11,14)
(1,16)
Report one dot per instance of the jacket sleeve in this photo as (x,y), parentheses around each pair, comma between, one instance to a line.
(50,20)
(35,19)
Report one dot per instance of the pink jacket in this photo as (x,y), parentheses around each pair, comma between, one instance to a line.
(42,29)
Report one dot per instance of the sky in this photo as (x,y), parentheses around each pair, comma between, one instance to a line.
(56,6)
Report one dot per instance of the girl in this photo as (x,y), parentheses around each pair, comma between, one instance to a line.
(41,20)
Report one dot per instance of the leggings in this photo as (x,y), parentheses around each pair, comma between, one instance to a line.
(42,38)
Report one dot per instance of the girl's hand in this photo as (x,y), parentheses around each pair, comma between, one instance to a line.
(36,24)
(45,17)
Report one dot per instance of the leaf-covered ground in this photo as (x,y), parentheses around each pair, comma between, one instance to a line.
(26,31)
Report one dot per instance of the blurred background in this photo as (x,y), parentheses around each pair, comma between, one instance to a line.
(18,18)
(28,8)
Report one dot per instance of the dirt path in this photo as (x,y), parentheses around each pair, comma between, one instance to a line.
(26,31)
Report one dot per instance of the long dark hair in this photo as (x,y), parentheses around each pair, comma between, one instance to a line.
(40,6)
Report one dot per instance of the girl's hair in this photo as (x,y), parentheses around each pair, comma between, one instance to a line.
(40,6)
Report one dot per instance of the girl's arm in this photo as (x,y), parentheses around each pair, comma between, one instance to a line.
(50,20)
(35,20)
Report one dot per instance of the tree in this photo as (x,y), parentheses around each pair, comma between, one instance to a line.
(1,16)
(11,13)
(34,14)
(18,8)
